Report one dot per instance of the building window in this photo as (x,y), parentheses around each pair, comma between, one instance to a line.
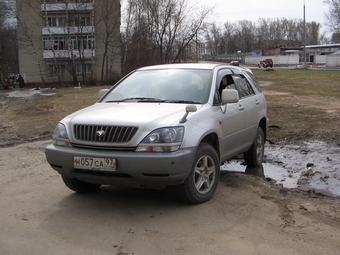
(81,1)
(82,21)
(56,43)
(82,42)
(56,69)
(70,1)
(54,1)
(86,67)
(55,22)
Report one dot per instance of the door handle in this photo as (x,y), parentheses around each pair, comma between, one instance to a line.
(241,107)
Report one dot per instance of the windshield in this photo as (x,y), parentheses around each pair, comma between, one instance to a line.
(167,85)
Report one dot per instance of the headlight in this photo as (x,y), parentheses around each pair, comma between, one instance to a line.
(60,136)
(162,140)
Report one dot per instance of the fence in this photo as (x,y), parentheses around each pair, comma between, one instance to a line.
(288,60)
(333,61)
(280,60)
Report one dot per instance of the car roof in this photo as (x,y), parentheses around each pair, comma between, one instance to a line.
(206,66)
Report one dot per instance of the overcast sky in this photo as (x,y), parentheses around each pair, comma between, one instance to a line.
(235,10)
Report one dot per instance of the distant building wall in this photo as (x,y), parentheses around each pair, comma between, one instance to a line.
(256,53)
(290,60)
(294,60)
(271,52)
(61,38)
(333,61)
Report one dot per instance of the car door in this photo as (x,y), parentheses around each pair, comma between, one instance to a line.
(250,103)
(231,118)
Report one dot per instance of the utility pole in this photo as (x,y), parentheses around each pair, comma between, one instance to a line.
(304,35)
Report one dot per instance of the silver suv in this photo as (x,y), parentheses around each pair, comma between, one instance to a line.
(163,125)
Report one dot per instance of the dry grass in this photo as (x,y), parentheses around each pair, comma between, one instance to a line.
(302,82)
(302,105)
(36,117)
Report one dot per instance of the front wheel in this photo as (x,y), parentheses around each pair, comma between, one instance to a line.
(80,186)
(254,156)
(201,183)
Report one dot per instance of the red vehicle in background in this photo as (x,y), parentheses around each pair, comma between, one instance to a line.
(268,62)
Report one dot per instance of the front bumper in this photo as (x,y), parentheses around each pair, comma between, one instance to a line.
(138,169)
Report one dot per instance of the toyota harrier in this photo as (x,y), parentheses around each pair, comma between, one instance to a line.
(163,125)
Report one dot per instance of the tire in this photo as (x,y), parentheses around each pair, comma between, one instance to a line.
(202,181)
(254,156)
(80,186)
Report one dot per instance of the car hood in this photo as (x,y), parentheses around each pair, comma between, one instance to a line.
(129,114)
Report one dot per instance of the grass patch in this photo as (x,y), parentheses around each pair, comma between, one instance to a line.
(38,115)
(309,110)
(302,82)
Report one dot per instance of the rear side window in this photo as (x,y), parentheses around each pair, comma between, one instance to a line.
(253,81)
(243,86)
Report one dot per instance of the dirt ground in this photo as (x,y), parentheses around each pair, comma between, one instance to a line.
(247,215)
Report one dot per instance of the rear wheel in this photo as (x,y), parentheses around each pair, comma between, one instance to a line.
(254,156)
(202,181)
(80,186)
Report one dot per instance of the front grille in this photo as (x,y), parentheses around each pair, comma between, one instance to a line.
(104,134)
(102,147)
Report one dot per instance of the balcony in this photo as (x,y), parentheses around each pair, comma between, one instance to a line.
(66,54)
(57,7)
(67,30)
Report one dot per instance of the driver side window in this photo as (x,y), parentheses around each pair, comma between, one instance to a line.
(225,83)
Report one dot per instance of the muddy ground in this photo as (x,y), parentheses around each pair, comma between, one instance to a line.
(252,212)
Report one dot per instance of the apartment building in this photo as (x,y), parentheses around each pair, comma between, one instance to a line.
(69,41)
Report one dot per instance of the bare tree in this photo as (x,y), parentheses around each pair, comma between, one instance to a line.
(8,42)
(245,32)
(332,17)
(3,12)
(166,28)
(312,32)
(110,20)
(213,39)
(26,34)
(176,23)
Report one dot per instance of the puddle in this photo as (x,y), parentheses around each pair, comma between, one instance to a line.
(29,92)
(308,166)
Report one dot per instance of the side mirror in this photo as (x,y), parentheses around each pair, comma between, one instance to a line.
(229,96)
(102,92)
(188,108)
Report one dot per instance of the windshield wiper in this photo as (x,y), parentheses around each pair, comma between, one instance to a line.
(138,99)
(183,102)
(152,100)
(144,99)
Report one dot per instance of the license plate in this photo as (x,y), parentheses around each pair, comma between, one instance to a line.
(94,163)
